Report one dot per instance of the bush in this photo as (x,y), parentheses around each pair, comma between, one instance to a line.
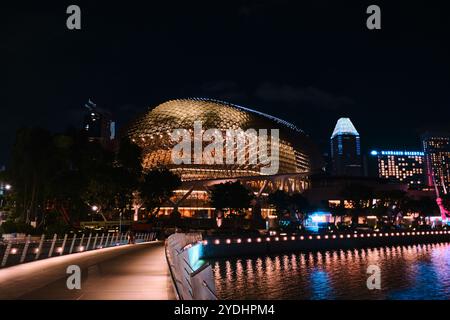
(58,227)
(10,226)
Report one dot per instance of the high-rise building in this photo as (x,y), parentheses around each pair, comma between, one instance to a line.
(436,147)
(400,166)
(346,149)
(98,124)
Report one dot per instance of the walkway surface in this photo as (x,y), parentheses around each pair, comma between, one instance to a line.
(134,272)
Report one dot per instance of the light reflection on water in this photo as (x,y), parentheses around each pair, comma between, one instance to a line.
(407,272)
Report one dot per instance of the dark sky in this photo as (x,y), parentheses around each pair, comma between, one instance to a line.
(308,62)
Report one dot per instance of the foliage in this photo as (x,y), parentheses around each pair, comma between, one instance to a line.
(57,178)
(10,226)
(232,196)
(157,187)
(284,202)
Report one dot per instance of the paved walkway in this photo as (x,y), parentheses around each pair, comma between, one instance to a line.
(137,272)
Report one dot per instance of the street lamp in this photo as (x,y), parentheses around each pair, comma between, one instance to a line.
(94,208)
(8,187)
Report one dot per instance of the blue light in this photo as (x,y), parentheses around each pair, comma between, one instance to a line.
(344,127)
(374,153)
(317,220)
(195,253)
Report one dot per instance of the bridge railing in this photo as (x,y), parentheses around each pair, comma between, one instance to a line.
(15,251)
(192,277)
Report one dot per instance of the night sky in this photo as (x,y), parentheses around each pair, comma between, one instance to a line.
(309,63)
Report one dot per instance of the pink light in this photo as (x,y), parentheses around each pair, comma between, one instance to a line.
(302,237)
(249,240)
(239,240)
(217,241)
(13,250)
(268,239)
(228,241)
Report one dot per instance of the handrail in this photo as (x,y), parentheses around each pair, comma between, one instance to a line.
(174,280)
(209,290)
(187,282)
(18,251)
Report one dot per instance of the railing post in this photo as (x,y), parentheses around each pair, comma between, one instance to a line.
(73,243)
(25,249)
(39,248)
(5,256)
(95,242)
(53,245)
(101,240)
(106,241)
(63,246)
(81,242)
(89,241)
(121,238)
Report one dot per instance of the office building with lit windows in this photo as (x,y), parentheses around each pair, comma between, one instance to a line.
(98,125)
(400,166)
(436,147)
(346,157)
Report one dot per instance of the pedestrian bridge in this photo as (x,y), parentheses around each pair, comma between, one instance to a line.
(126,272)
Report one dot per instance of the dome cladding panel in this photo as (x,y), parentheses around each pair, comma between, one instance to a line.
(151,131)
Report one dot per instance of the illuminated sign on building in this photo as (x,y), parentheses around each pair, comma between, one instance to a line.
(401,166)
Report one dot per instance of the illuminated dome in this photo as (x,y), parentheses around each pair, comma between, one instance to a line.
(152,131)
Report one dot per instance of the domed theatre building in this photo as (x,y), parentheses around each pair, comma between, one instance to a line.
(248,149)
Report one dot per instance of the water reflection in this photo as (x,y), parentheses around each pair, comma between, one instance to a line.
(407,272)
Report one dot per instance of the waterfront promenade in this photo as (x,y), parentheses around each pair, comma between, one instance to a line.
(128,272)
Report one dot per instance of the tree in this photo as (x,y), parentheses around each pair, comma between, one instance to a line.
(231,196)
(284,202)
(157,187)
(298,203)
(34,163)
(358,196)
(279,199)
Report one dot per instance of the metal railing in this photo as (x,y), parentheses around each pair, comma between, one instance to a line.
(16,251)
(189,284)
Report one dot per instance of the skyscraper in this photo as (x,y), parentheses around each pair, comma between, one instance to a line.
(99,125)
(401,166)
(436,147)
(346,149)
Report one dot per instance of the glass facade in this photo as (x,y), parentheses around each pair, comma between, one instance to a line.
(401,166)
(346,149)
(437,159)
